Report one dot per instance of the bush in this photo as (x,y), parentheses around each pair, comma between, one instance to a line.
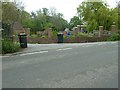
(44,36)
(80,34)
(71,36)
(9,47)
(54,34)
(114,37)
(34,35)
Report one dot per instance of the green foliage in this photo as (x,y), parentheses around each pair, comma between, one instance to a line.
(80,34)
(48,25)
(26,19)
(42,19)
(74,22)
(114,37)
(45,11)
(92,26)
(55,34)
(71,36)
(119,23)
(10,12)
(34,35)
(96,14)
(9,47)
(44,36)
(36,21)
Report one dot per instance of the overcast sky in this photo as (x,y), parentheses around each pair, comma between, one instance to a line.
(66,7)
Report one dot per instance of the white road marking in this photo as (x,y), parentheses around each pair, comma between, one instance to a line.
(33,53)
(100,43)
(4,56)
(87,46)
(67,48)
(114,42)
(58,49)
(63,49)
(76,45)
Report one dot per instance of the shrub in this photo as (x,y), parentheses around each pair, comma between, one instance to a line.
(34,35)
(80,34)
(114,37)
(71,36)
(54,34)
(44,36)
(9,47)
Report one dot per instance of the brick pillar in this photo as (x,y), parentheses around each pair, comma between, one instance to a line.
(78,28)
(50,34)
(113,29)
(75,31)
(101,31)
(27,31)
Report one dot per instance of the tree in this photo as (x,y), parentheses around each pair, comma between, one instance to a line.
(10,14)
(96,14)
(45,11)
(119,16)
(26,19)
(53,11)
(74,22)
(0,11)
(59,15)
(42,19)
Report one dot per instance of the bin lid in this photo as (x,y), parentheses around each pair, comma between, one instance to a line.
(60,33)
(22,34)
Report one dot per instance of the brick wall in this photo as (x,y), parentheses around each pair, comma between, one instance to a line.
(66,40)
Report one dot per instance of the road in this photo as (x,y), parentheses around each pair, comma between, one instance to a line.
(92,65)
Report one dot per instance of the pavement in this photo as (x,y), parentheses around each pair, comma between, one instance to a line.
(43,47)
(83,65)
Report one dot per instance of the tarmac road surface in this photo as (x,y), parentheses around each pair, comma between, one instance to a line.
(92,65)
